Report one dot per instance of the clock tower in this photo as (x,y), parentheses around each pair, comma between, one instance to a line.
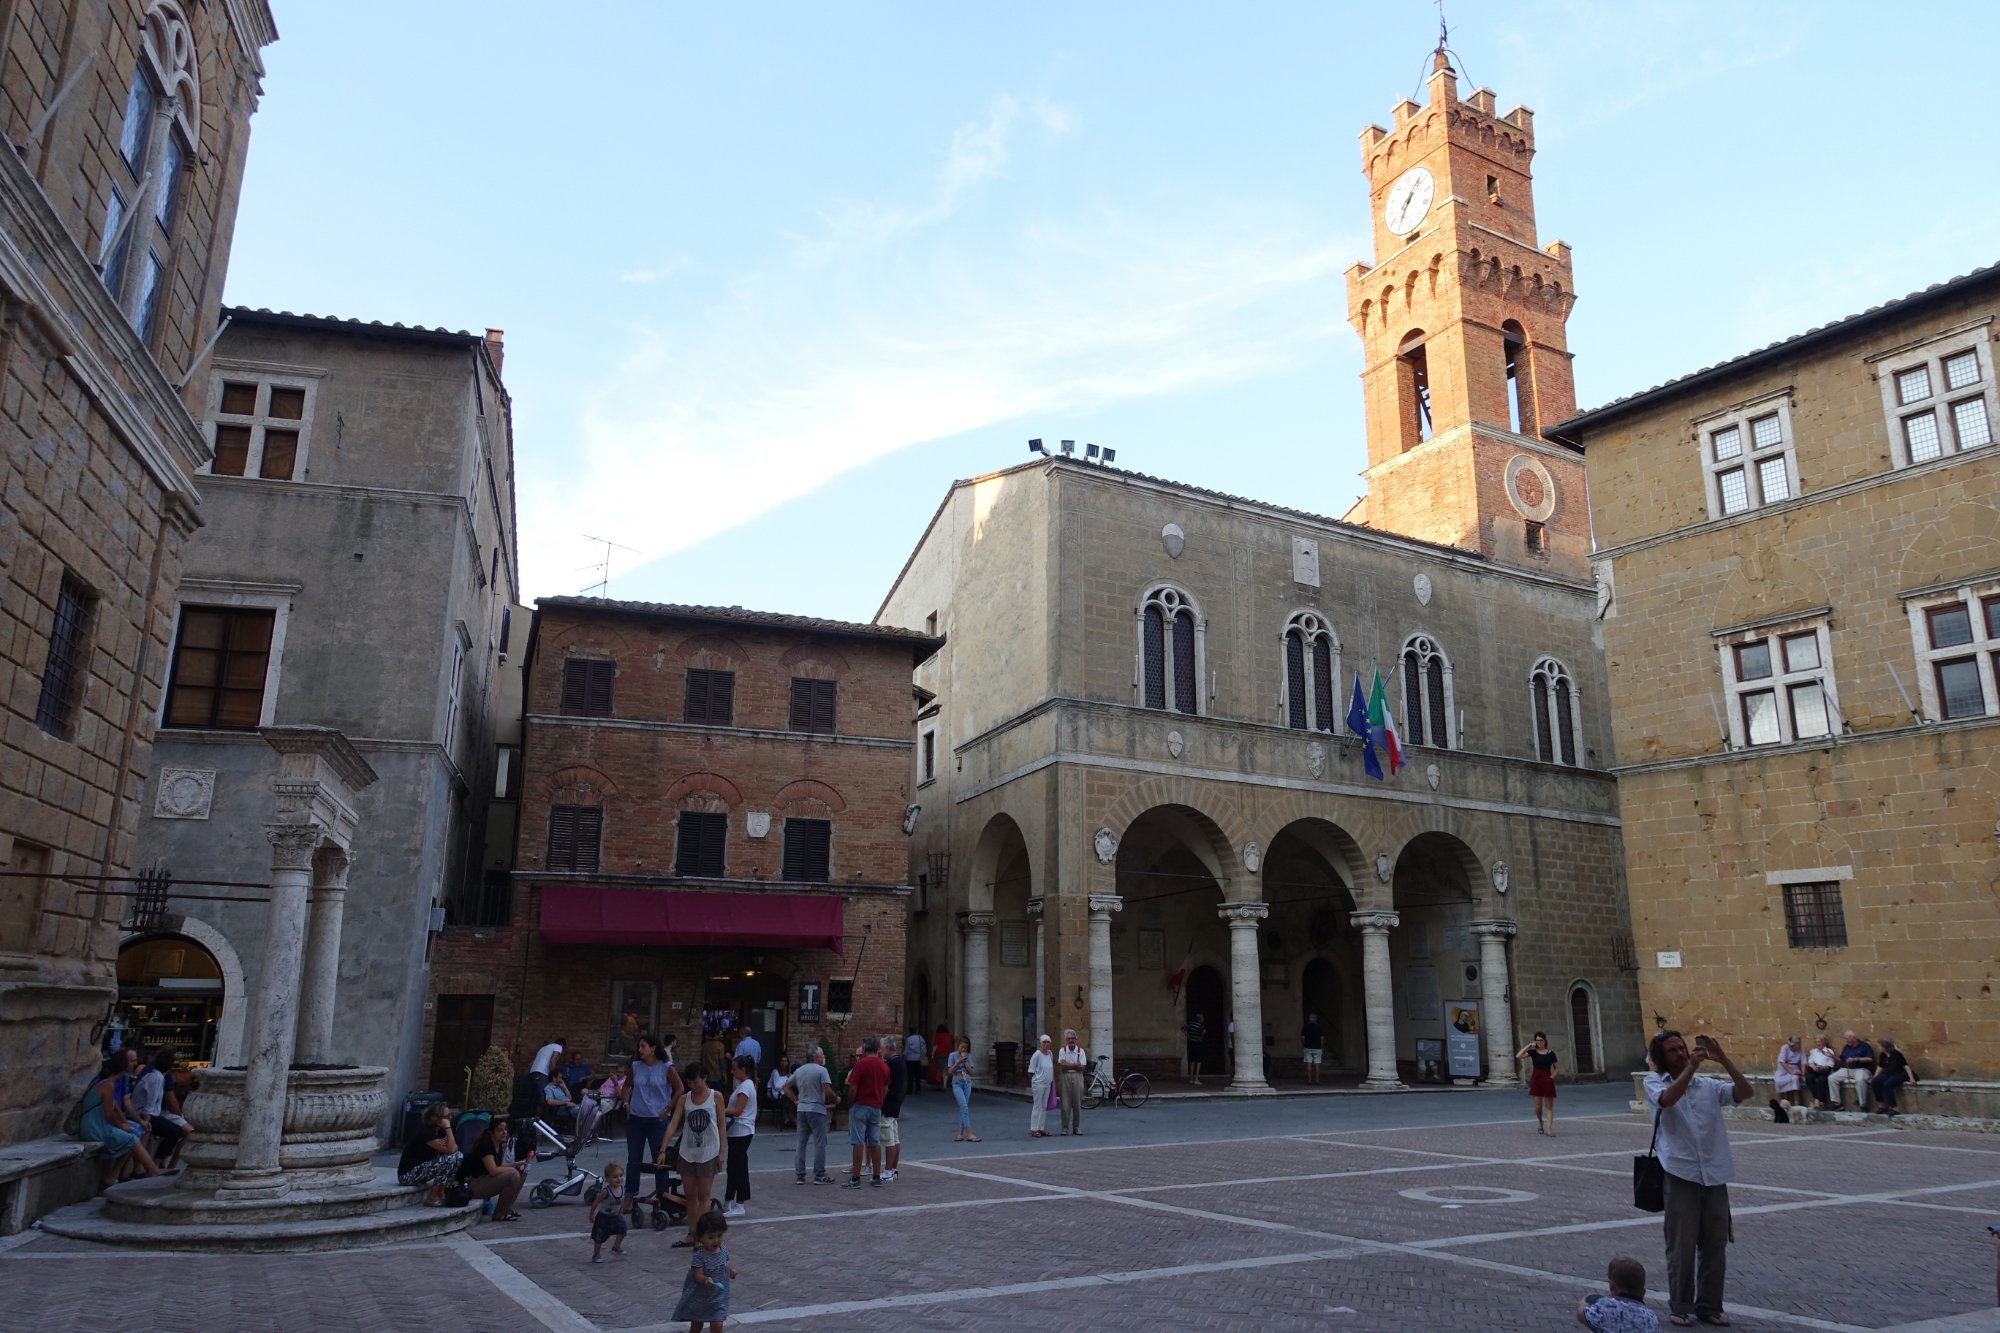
(1461,318)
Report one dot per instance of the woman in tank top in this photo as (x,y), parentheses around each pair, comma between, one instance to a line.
(697,1119)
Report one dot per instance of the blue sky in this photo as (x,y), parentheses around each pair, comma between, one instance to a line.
(772,277)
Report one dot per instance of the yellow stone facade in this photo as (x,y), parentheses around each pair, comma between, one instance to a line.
(1893,809)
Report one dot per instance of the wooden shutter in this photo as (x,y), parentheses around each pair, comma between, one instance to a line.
(702,843)
(574,679)
(586,687)
(1323,683)
(695,707)
(721,696)
(574,834)
(813,705)
(808,850)
(1295,680)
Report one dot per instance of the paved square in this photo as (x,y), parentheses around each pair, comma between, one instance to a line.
(1433,1210)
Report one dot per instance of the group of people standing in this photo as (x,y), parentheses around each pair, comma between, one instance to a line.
(1056,1078)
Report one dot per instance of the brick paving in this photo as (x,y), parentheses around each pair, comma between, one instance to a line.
(1302,1219)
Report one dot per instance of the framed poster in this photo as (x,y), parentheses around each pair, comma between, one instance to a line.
(809,993)
(1461,1038)
(634,1009)
(1013,944)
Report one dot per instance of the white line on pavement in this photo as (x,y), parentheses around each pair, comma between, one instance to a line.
(17,1240)
(734,1222)
(519,1288)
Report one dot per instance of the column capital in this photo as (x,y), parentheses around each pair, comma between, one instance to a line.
(1240,915)
(1494,930)
(293,845)
(1375,922)
(1035,906)
(1104,904)
(970,922)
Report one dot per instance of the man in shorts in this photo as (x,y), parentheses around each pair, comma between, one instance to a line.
(1312,1044)
(811,1091)
(892,1105)
(867,1084)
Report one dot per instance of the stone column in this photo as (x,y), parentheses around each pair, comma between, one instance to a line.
(1102,905)
(275,1020)
(1496,1017)
(1246,994)
(322,979)
(977,928)
(1379,997)
(1041,969)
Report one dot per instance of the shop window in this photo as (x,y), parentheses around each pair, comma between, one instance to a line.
(221,666)
(1814,918)
(67,666)
(808,850)
(701,843)
(575,835)
(586,687)
(813,705)
(711,697)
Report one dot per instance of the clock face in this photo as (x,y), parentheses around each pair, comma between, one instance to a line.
(1409,199)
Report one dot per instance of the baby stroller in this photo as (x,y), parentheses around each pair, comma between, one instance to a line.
(574,1178)
(666,1206)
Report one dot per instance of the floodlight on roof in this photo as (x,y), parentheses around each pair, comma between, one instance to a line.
(1109,454)
(1036,447)
(1068,447)
(1090,451)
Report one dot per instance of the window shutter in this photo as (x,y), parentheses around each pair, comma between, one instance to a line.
(1154,634)
(1413,697)
(1186,687)
(574,682)
(562,837)
(597,694)
(574,834)
(801,719)
(1323,682)
(696,707)
(813,705)
(823,697)
(808,850)
(1544,747)
(703,843)
(1295,680)
(721,696)
(589,836)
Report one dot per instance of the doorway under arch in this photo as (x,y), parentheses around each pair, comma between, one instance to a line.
(1585,1035)
(1319,993)
(170,996)
(1207,995)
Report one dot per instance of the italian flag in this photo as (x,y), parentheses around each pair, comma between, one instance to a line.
(1382,726)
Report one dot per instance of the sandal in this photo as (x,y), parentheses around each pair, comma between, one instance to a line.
(972,1138)
(511,1217)
(1681,1320)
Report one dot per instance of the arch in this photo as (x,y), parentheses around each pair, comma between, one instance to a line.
(1962,544)
(1321,992)
(817,661)
(710,651)
(229,1024)
(1162,826)
(999,843)
(1558,717)
(807,791)
(592,638)
(1428,696)
(1520,377)
(1172,652)
(170,49)
(1309,697)
(1435,868)
(1207,994)
(1586,1027)
(703,791)
(576,785)
(1332,844)
(1413,389)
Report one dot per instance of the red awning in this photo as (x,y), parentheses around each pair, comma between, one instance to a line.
(589,914)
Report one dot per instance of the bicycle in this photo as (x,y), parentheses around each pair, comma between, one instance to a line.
(1133,1089)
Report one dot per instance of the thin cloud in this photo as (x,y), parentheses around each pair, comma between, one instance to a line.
(677,266)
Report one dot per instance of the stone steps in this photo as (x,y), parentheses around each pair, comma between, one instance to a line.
(297,1234)
(163,1201)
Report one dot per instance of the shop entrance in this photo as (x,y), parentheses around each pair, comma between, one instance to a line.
(1204,996)
(169,997)
(745,998)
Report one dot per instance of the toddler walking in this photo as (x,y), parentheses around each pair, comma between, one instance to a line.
(705,1293)
(607,1215)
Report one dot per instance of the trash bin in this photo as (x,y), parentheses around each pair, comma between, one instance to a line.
(1004,1053)
(414,1107)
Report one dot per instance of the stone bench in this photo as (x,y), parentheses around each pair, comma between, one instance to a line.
(41,1175)
(1949,1098)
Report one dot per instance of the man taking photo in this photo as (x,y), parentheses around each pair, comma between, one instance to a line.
(1694,1152)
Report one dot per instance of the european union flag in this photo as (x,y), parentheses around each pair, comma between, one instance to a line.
(1357,722)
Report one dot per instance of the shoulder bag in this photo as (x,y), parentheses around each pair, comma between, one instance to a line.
(1649,1178)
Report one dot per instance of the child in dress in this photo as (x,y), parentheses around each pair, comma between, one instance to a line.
(1624,1309)
(705,1293)
(607,1215)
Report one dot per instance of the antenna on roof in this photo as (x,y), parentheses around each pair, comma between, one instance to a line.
(603,567)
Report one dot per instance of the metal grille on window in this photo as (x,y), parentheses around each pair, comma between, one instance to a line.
(1735,491)
(1969,420)
(1434,692)
(1323,716)
(1765,434)
(703,839)
(1155,652)
(586,687)
(812,705)
(808,850)
(575,832)
(1186,687)
(1565,723)
(1584,1030)
(1295,680)
(66,669)
(1774,480)
(1913,386)
(1814,918)
(1545,749)
(1727,443)
(1961,370)
(1960,691)
(1413,696)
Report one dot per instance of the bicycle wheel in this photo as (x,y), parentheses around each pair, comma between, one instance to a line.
(1093,1094)
(1133,1090)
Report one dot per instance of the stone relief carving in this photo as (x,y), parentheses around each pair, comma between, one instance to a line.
(758,824)
(1175,744)
(1500,877)
(1422,583)
(1174,540)
(1316,759)
(185,793)
(1431,775)
(910,814)
(1384,867)
(1106,844)
(1305,561)
(1253,856)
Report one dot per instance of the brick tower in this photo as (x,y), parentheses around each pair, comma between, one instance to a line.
(1461,321)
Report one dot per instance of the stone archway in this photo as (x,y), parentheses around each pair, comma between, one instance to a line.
(1443,956)
(229,1020)
(1310,940)
(999,887)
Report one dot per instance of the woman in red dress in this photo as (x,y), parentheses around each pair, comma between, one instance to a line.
(1541,1081)
(941,1049)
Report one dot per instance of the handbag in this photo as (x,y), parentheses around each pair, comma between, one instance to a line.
(1649,1178)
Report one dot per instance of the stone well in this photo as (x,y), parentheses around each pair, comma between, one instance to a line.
(329,1127)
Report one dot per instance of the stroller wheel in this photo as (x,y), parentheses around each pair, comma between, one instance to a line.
(659,1219)
(677,1216)
(542,1195)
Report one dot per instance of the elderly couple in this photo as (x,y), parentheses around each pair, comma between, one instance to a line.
(1056,1072)
(1826,1073)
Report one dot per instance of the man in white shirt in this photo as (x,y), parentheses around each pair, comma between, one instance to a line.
(1694,1151)
(544,1062)
(1071,1063)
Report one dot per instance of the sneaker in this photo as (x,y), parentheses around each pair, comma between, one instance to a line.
(872,1180)
(597,1258)
(733,1210)
(800,1181)
(888,1175)
(824,1180)
(854,1183)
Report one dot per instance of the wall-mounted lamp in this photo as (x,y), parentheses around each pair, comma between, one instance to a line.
(1079,997)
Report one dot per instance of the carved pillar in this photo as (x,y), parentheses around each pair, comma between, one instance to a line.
(977,928)
(1497,1016)
(1041,968)
(1378,996)
(1246,994)
(1102,905)
(322,978)
(275,1020)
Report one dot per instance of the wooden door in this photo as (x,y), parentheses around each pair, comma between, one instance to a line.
(464,1030)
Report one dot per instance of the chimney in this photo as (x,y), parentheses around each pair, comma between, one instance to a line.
(496,347)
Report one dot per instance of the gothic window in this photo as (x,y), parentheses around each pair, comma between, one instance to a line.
(1557,724)
(1427,693)
(1312,673)
(1170,651)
